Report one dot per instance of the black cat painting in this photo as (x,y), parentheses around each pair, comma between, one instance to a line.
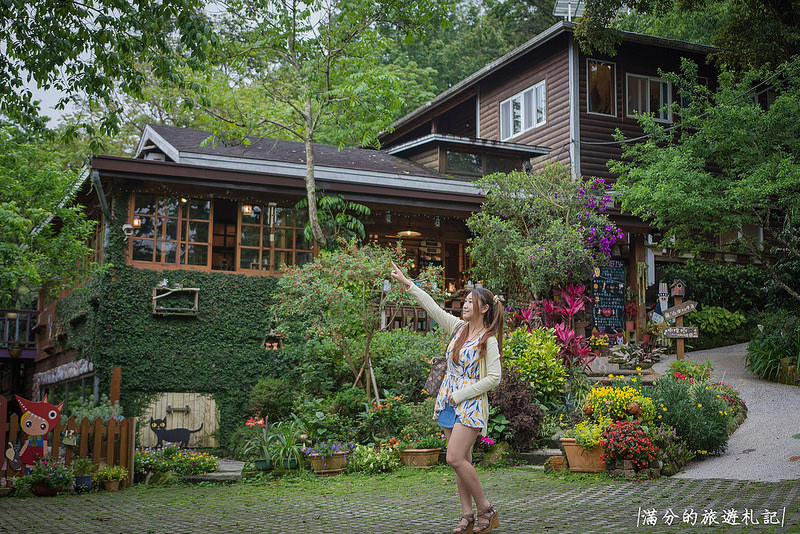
(173,435)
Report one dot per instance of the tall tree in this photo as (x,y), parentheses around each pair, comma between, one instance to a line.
(314,66)
(758,32)
(44,233)
(727,162)
(94,48)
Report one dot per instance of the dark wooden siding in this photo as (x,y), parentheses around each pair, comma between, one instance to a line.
(632,58)
(550,63)
(427,158)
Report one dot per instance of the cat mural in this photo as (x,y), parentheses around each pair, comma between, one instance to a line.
(173,435)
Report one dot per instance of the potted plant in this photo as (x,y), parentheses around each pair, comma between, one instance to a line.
(632,355)
(84,473)
(631,309)
(258,444)
(583,446)
(627,443)
(421,452)
(598,343)
(111,476)
(328,457)
(47,477)
(285,444)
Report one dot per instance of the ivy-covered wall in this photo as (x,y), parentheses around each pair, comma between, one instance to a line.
(220,351)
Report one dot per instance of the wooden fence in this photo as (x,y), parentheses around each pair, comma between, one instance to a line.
(107,442)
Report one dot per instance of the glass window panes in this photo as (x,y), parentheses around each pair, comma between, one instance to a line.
(541,103)
(200,209)
(301,258)
(601,88)
(143,250)
(166,251)
(251,235)
(168,206)
(284,217)
(196,232)
(283,238)
(647,95)
(254,216)
(516,115)
(505,124)
(500,164)
(464,163)
(194,254)
(146,227)
(523,111)
(145,204)
(283,257)
(167,229)
(249,258)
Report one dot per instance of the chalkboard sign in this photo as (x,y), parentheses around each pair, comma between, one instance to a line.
(608,300)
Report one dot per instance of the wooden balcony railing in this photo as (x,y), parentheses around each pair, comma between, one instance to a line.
(16,328)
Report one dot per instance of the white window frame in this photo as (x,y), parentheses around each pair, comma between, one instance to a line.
(526,122)
(649,80)
(614,96)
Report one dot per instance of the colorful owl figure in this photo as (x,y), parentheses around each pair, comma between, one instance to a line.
(38,418)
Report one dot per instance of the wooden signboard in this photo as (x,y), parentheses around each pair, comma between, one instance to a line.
(680,309)
(608,300)
(680,332)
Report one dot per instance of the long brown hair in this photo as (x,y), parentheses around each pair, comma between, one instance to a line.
(492,320)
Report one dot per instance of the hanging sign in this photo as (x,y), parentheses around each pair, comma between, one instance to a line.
(681,331)
(680,309)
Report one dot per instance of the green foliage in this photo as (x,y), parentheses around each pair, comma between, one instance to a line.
(695,411)
(98,50)
(383,420)
(534,355)
(170,459)
(44,232)
(285,442)
(538,231)
(587,434)
(272,398)
(779,337)
(340,297)
(666,178)
(82,465)
(749,32)
(730,286)
(370,461)
(339,218)
(670,448)
(350,402)
(690,369)
(402,360)
(85,409)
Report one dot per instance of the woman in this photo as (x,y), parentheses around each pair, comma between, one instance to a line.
(462,408)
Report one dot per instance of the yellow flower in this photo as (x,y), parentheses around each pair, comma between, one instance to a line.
(638,368)
(699,405)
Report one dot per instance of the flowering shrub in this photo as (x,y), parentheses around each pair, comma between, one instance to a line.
(326,449)
(598,342)
(371,461)
(258,443)
(383,420)
(54,473)
(587,434)
(626,440)
(610,402)
(111,472)
(670,447)
(689,369)
(428,438)
(730,396)
(180,461)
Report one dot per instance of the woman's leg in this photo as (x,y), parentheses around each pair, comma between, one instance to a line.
(459,457)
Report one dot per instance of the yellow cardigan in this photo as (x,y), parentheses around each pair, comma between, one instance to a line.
(490,370)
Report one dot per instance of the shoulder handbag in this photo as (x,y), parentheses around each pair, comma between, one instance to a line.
(438,368)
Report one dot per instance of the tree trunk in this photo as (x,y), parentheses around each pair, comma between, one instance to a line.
(311,184)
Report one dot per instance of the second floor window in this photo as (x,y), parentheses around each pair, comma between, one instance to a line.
(648,95)
(523,111)
(602,88)
(171,230)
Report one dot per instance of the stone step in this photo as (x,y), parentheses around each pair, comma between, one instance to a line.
(539,456)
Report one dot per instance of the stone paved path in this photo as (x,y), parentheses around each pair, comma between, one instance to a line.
(763,447)
(410,502)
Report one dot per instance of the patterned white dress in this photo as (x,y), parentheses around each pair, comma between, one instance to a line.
(460,375)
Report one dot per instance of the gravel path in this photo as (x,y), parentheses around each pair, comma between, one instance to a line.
(763,447)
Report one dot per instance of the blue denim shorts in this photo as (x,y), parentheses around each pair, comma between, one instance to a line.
(448,417)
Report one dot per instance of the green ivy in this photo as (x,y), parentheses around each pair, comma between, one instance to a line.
(218,352)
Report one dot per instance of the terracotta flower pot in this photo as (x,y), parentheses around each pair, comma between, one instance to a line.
(111,485)
(582,461)
(420,458)
(43,489)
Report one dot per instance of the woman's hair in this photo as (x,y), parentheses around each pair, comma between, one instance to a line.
(492,320)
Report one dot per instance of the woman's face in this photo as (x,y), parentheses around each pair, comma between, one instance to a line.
(472,308)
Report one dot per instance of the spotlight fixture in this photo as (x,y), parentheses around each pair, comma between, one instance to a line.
(137,222)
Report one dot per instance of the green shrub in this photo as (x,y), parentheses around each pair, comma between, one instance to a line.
(735,287)
(690,369)
(383,420)
(401,360)
(779,338)
(350,402)
(718,327)
(695,411)
(85,408)
(366,459)
(272,398)
(671,448)
(535,356)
